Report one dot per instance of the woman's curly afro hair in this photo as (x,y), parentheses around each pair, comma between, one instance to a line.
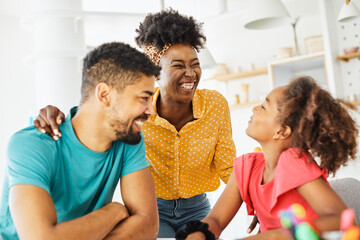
(319,123)
(168,26)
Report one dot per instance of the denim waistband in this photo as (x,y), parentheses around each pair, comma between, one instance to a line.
(193,200)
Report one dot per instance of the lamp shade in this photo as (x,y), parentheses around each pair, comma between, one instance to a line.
(348,12)
(206,59)
(263,14)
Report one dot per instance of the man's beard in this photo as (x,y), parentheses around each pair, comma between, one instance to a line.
(128,137)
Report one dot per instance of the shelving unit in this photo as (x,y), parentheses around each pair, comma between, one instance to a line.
(226,78)
(305,59)
(282,71)
(348,56)
(239,75)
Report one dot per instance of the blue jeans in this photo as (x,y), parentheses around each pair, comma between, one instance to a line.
(174,214)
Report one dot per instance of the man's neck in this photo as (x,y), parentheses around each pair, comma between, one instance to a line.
(89,129)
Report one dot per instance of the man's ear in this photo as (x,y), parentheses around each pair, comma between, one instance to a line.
(284,133)
(102,92)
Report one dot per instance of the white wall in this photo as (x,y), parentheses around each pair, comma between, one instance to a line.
(228,41)
(348,35)
(17,99)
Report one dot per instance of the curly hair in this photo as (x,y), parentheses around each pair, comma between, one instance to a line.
(319,123)
(116,64)
(168,26)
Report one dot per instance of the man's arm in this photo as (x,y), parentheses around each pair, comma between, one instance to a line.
(138,193)
(34,216)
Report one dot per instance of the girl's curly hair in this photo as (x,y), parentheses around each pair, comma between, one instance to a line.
(319,123)
(168,26)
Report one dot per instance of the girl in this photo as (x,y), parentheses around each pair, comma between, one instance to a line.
(293,124)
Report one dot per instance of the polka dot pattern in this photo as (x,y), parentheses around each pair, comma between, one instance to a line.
(191,161)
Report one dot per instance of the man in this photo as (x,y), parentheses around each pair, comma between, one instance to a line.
(63,189)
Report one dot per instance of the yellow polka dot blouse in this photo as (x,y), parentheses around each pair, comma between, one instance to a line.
(191,161)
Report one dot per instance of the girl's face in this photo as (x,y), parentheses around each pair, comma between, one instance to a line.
(180,73)
(263,124)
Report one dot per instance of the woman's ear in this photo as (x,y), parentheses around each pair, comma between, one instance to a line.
(102,93)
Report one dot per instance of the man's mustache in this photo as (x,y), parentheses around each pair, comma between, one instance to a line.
(143,116)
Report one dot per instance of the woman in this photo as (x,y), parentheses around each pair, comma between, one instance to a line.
(189,139)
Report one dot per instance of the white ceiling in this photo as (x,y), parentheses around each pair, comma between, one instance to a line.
(198,8)
(111,20)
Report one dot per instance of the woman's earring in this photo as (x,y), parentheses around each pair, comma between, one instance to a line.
(274,137)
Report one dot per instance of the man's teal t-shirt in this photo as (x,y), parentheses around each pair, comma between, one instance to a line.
(78,180)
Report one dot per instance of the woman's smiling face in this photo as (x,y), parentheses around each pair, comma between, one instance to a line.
(180,73)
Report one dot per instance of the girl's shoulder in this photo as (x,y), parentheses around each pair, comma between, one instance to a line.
(248,165)
(250,159)
(295,168)
(296,157)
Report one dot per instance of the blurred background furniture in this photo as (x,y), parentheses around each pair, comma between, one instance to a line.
(349,190)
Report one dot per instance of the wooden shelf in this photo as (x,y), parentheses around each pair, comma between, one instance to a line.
(348,56)
(301,62)
(234,76)
(355,104)
(244,105)
(283,70)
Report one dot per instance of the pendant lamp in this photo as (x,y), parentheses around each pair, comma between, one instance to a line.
(264,14)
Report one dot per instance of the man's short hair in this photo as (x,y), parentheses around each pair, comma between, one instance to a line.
(117,64)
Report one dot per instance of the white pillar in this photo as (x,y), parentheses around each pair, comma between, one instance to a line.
(328,21)
(58,50)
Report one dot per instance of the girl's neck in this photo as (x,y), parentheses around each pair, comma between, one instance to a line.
(271,156)
(272,152)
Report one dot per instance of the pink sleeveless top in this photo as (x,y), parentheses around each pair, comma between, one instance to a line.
(278,194)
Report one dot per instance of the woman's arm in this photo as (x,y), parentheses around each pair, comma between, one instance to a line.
(48,120)
(225,151)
